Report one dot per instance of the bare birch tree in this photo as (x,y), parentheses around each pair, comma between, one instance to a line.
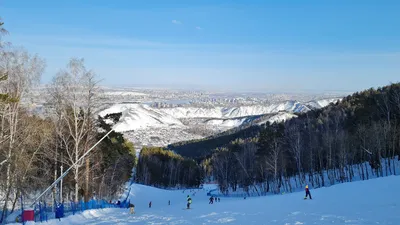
(23,71)
(295,143)
(73,93)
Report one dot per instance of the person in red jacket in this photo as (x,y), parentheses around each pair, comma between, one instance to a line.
(307,192)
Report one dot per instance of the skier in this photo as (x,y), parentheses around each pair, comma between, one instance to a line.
(219,199)
(150,204)
(211,200)
(132,208)
(169,202)
(189,201)
(307,192)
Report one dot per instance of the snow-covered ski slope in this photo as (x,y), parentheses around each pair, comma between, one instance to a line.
(374,201)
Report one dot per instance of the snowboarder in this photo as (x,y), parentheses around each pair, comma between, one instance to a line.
(307,192)
(189,201)
(150,204)
(132,208)
(211,200)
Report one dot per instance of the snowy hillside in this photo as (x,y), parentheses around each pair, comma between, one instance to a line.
(279,117)
(320,103)
(160,126)
(374,201)
(138,116)
(240,111)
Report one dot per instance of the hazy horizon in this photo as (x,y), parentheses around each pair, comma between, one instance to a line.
(256,46)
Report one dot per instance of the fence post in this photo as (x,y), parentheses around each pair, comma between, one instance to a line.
(73,208)
(45,212)
(22,211)
(40,212)
(34,211)
(62,209)
(82,205)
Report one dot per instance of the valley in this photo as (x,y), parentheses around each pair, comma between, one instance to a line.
(159,117)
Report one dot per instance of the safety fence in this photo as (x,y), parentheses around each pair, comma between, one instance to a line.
(42,211)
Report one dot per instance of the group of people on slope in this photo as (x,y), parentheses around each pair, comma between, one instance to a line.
(132,206)
(189,201)
(212,199)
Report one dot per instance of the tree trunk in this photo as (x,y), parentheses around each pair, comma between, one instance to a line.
(87,193)
(76,179)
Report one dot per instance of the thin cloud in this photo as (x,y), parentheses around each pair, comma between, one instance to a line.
(176,22)
(199,28)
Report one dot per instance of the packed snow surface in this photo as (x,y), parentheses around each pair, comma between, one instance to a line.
(364,202)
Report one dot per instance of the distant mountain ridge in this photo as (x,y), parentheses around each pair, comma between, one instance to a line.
(146,125)
(242,111)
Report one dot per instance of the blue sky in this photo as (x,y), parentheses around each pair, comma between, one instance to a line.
(248,45)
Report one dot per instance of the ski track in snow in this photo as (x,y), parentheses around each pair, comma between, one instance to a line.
(374,201)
